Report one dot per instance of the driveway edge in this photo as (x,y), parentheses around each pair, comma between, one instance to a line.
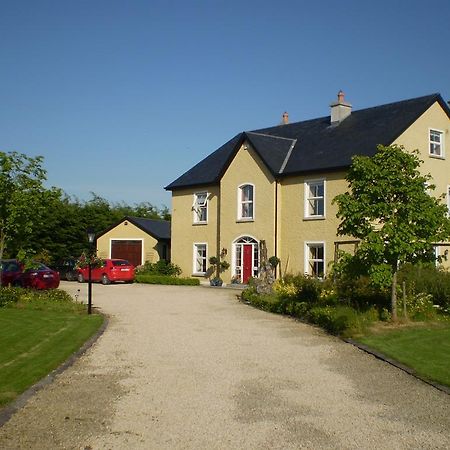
(397,364)
(8,411)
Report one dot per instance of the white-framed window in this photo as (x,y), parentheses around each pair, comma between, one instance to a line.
(246,202)
(315,198)
(436,138)
(200,207)
(315,259)
(200,258)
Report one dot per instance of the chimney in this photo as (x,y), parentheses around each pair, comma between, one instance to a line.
(285,118)
(340,109)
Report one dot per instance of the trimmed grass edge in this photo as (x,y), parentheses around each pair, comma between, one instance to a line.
(396,364)
(9,410)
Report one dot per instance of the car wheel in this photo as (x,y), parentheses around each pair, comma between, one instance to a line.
(105,279)
(69,276)
(80,278)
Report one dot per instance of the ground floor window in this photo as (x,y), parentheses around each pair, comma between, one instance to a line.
(315,259)
(246,258)
(200,258)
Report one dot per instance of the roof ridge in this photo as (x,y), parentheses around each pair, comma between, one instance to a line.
(283,166)
(270,136)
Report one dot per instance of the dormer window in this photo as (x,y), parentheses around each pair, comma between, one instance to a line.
(200,207)
(246,194)
(436,143)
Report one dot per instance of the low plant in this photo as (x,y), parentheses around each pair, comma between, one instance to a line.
(149,278)
(342,320)
(161,267)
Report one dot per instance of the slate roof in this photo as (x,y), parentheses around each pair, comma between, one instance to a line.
(159,229)
(314,145)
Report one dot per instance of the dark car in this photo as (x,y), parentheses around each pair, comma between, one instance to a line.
(10,270)
(38,277)
(67,269)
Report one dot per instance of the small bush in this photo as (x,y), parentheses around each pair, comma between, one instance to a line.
(418,306)
(9,295)
(302,288)
(428,279)
(166,279)
(50,300)
(342,320)
(161,267)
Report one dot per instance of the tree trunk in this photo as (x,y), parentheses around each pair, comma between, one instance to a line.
(394,296)
(2,243)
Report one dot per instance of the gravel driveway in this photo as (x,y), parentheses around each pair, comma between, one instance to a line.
(192,368)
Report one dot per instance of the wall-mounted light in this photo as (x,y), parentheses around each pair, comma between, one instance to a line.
(224,252)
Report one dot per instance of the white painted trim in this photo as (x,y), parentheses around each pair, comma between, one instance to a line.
(239,191)
(442,133)
(194,260)
(306,256)
(194,210)
(306,184)
(233,252)
(128,239)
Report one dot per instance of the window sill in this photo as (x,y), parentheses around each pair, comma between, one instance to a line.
(245,220)
(314,218)
(436,156)
(202,275)
(199,223)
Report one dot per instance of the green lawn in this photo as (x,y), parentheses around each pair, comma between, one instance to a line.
(425,349)
(34,342)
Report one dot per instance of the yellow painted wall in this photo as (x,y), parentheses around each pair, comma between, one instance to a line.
(150,247)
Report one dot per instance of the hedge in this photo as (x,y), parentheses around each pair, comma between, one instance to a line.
(166,279)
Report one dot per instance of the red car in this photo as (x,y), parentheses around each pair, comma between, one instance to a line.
(112,270)
(10,270)
(38,277)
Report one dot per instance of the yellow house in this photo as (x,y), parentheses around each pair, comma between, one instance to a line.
(276,185)
(136,239)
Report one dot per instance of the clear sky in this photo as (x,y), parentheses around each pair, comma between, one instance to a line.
(122,97)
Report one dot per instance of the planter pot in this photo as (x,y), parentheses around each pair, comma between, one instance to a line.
(215,282)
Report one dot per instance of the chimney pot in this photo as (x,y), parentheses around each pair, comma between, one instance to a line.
(285,118)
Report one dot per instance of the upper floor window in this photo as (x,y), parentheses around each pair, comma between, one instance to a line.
(315,198)
(200,207)
(246,197)
(436,143)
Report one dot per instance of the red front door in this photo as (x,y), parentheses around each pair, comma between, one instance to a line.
(247,262)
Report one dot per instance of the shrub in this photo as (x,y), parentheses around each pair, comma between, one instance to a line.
(166,279)
(426,278)
(418,306)
(342,320)
(161,267)
(303,287)
(9,295)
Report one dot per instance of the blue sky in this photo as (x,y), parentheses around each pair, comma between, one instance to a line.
(122,97)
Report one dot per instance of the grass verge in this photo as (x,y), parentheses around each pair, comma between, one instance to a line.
(38,333)
(424,349)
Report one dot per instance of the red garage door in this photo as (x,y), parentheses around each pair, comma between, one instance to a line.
(129,250)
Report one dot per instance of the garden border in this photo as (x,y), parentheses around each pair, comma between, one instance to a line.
(8,411)
(397,364)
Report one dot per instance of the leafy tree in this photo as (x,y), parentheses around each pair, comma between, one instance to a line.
(390,210)
(22,198)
